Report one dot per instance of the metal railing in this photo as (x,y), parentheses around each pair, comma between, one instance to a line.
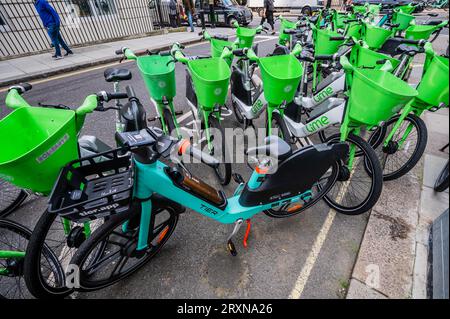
(83,22)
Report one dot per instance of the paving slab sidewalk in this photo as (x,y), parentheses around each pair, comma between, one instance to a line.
(42,65)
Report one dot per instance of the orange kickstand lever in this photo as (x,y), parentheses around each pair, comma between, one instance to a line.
(247,233)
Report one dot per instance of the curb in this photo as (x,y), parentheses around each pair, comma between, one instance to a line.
(83,65)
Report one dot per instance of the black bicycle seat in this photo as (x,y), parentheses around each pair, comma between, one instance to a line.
(434,22)
(408,49)
(115,75)
(432,14)
(273,147)
(221,37)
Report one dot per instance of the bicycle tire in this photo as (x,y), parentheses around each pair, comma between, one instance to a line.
(279,124)
(225,176)
(442,180)
(377,138)
(25,234)
(107,229)
(10,198)
(375,174)
(169,121)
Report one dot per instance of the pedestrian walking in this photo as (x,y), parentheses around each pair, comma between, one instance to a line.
(173,12)
(52,23)
(212,13)
(269,8)
(189,11)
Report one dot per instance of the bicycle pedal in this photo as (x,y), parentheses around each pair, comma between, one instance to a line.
(231,248)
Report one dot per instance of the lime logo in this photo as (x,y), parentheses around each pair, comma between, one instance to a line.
(218,91)
(257,107)
(162,84)
(288,89)
(323,94)
(317,124)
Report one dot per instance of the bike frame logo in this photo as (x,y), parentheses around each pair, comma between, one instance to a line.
(257,106)
(322,95)
(52,150)
(317,124)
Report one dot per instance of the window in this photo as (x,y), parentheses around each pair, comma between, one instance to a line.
(89,8)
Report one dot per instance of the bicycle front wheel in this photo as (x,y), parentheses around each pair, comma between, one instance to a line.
(360,179)
(442,181)
(405,149)
(11,198)
(100,266)
(220,150)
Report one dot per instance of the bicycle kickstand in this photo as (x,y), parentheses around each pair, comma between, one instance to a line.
(237,226)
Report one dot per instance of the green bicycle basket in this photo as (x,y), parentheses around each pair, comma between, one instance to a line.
(364,57)
(217,47)
(322,43)
(286,25)
(354,30)
(433,89)
(359,9)
(420,32)
(281,76)
(403,19)
(339,18)
(36,144)
(408,9)
(375,36)
(211,78)
(246,37)
(376,96)
(158,75)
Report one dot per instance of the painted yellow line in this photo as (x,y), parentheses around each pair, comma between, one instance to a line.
(302,279)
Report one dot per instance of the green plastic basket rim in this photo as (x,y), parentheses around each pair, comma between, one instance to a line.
(360,74)
(26,109)
(246,32)
(140,61)
(263,61)
(216,61)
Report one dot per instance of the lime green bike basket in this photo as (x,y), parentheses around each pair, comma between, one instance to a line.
(36,144)
(339,18)
(359,9)
(354,30)
(217,47)
(158,75)
(420,32)
(211,78)
(375,36)
(286,25)
(375,96)
(363,57)
(433,89)
(408,9)
(246,37)
(403,19)
(322,41)
(281,76)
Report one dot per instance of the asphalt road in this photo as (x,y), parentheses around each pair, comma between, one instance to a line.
(313,253)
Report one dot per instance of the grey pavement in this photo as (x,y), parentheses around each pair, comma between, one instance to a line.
(42,65)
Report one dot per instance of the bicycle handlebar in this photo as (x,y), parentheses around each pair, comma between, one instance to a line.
(185,147)
(21,87)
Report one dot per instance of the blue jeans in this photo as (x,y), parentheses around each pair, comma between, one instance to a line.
(189,14)
(57,40)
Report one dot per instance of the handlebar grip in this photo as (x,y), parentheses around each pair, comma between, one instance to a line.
(103,96)
(351,20)
(411,41)
(165,53)
(239,52)
(327,57)
(21,87)
(119,52)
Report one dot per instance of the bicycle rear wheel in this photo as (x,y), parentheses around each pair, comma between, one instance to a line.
(402,154)
(119,259)
(358,188)
(11,198)
(14,238)
(442,181)
(318,191)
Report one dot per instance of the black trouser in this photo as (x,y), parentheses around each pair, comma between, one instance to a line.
(173,20)
(269,18)
(212,15)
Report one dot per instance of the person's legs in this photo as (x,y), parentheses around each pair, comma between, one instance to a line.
(52,31)
(172,19)
(191,24)
(63,43)
(212,16)
(270,20)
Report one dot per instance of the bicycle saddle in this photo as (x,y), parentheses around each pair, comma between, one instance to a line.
(115,75)
(434,22)
(273,147)
(290,31)
(408,49)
